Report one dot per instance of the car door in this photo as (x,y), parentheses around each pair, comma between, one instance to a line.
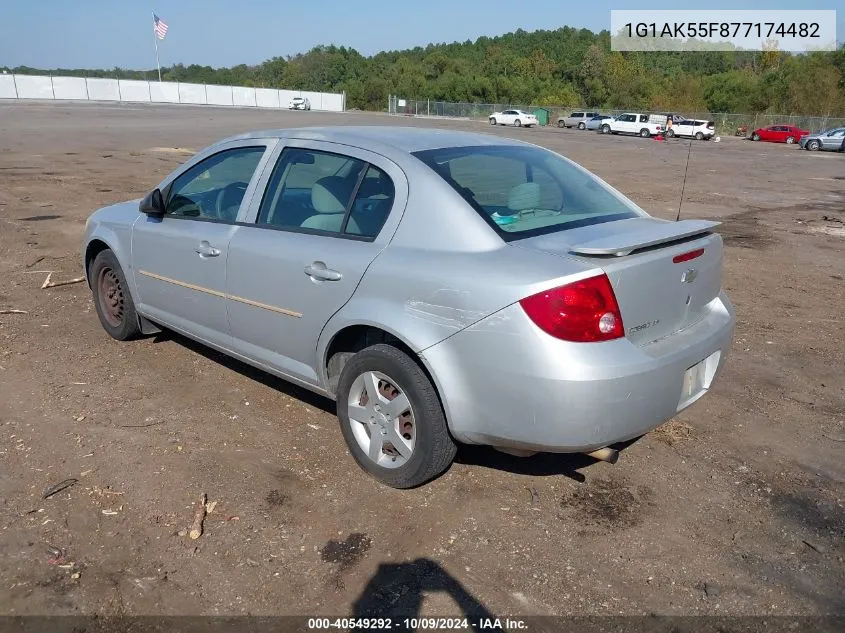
(326,212)
(179,260)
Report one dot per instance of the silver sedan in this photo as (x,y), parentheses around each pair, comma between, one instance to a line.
(442,287)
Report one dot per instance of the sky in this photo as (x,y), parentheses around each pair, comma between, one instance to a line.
(109,33)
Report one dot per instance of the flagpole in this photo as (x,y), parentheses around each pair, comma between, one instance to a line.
(155,43)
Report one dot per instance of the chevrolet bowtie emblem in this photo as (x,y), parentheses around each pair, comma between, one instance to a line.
(689,276)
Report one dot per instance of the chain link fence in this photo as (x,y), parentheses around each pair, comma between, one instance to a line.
(727,124)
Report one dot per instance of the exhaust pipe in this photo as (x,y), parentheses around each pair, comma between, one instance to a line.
(606,454)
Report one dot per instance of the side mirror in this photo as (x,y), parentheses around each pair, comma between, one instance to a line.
(153,204)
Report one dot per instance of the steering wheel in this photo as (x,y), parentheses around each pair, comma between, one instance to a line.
(233,189)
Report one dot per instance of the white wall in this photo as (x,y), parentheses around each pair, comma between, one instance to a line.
(267,98)
(218,95)
(34,87)
(7,87)
(243,96)
(101,89)
(69,88)
(164,92)
(192,93)
(131,90)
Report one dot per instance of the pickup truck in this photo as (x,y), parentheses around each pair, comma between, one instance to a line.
(644,125)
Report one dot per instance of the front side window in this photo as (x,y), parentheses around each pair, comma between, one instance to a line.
(526,191)
(326,192)
(214,188)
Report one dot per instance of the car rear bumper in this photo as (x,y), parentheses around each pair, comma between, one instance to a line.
(507,384)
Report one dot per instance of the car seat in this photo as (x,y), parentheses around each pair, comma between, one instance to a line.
(329,196)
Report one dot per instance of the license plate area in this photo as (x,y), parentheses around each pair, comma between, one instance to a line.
(697,380)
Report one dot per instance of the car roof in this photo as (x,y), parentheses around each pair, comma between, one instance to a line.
(385,137)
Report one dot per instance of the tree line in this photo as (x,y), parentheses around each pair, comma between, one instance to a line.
(567,67)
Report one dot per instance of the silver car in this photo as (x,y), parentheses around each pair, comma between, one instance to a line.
(831,140)
(441,286)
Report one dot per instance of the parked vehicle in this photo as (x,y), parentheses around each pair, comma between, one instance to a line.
(576,119)
(700,130)
(519,118)
(831,140)
(441,286)
(779,134)
(596,121)
(299,103)
(644,125)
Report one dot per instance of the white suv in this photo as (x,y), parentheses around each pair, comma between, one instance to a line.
(299,103)
(635,123)
(700,130)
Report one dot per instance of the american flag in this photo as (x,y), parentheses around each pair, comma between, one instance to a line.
(159,27)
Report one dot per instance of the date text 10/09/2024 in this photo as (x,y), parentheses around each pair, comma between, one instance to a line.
(722,29)
(431,624)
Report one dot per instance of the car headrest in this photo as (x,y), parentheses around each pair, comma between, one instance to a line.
(372,187)
(330,195)
(524,196)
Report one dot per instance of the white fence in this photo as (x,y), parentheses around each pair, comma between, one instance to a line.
(125,90)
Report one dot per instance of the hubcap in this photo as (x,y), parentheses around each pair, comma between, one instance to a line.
(382,419)
(110,295)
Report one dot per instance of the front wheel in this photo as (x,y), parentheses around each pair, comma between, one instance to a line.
(605,129)
(790,140)
(813,145)
(112,300)
(755,137)
(391,418)
(645,133)
(582,126)
(699,136)
(492,120)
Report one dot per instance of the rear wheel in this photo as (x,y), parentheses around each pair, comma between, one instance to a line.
(561,124)
(518,123)
(605,129)
(699,136)
(813,145)
(582,126)
(645,133)
(790,140)
(670,133)
(391,418)
(111,297)
(492,120)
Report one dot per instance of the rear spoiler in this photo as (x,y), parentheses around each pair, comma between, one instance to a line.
(647,237)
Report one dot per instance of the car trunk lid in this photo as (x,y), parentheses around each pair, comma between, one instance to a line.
(661,282)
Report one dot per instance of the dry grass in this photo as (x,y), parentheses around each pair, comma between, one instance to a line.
(672,432)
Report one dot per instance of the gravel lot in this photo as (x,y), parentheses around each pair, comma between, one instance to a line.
(734,507)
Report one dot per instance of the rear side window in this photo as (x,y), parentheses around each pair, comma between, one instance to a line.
(526,191)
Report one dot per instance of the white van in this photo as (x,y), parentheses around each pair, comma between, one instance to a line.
(644,125)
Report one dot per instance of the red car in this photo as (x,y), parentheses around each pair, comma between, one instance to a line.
(779,134)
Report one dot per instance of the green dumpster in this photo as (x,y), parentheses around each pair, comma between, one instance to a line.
(542,115)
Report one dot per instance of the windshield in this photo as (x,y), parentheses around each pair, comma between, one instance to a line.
(526,191)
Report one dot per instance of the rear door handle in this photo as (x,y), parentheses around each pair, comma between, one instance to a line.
(318,270)
(206,250)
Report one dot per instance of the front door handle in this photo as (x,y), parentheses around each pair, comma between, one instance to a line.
(318,270)
(206,250)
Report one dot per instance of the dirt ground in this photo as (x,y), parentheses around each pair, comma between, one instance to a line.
(735,507)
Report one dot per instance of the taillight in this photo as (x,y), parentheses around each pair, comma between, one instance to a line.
(581,312)
(685,257)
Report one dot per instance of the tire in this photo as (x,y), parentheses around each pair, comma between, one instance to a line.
(670,133)
(605,129)
(432,449)
(645,133)
(699,136)
(518,123)
(492,120)
(790,140)
(755,137)
(582,126)
(813,145)
(112,300)
(561,124)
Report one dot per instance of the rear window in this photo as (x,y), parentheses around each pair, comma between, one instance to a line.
(526,191)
